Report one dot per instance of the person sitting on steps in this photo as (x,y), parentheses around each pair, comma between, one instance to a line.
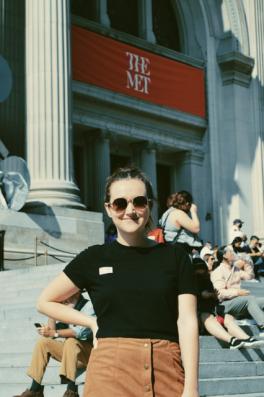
(71,345)
(222,326)
(234,300)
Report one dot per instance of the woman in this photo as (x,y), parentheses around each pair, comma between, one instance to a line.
(143,297)
(180,222)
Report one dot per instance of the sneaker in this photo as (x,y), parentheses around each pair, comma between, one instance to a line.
(30,393)
(261,331)
(252,343)
(236,343)
(70,393)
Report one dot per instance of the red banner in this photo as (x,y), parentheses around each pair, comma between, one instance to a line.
(120,67)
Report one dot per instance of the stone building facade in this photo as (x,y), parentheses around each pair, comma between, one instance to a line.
(73,134)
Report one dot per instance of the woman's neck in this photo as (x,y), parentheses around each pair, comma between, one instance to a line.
(140,240)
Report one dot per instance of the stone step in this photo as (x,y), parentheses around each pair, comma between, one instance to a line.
(18,374)
(29,313)
(32,271)
(231,356)
(237,395)
(9,390)
(229,386)
(207,370)
(237,369)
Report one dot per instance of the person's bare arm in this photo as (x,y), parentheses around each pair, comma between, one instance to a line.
(58,291)
(183,220)
(189,343)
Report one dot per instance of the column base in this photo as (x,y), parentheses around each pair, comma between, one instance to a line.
(54,194)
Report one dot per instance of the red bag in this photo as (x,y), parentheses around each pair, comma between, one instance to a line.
(157,235)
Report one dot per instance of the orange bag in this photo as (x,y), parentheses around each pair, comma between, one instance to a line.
(157,235)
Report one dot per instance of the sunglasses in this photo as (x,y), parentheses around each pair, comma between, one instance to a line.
(120,204)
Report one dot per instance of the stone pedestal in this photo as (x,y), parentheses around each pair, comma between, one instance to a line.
(56,235)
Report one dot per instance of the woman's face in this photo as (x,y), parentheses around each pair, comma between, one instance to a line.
(135,216)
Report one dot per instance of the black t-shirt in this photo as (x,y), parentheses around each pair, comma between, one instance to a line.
(134,290)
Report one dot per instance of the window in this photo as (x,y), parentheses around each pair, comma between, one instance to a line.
(123,15)
(165,25)
(84,8)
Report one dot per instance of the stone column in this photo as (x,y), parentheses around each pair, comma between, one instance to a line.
(144,156)
(188,175)
(255,21)
(145,21)
(48,89)
(101,168)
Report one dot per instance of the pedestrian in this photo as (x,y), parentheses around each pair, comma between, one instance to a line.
(144,298)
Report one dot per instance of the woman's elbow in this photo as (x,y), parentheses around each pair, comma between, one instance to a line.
(40,305)
(196,229)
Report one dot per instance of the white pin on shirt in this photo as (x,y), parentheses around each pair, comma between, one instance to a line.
(105,270)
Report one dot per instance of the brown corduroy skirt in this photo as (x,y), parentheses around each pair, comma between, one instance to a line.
(128,367)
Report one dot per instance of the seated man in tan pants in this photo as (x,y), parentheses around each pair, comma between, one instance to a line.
(69,344)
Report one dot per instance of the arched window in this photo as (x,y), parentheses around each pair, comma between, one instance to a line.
(123,15)
(165,26)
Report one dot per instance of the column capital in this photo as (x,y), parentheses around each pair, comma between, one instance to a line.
(145,145)
(194,157)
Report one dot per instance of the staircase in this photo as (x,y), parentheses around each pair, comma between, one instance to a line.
(223,372)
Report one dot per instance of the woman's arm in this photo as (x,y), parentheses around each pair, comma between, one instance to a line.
(189,343)
(185,221)
(57,291)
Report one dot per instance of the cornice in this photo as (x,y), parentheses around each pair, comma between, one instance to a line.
(103,96)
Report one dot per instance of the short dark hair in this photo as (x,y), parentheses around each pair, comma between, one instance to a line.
(128,173)
(254,238)
(237,240)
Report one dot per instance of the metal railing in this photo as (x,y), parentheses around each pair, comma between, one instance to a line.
(48,251)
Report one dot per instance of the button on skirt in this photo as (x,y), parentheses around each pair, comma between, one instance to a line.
(129,367)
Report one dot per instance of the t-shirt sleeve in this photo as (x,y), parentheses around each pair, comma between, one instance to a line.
(77,268)
(187,283)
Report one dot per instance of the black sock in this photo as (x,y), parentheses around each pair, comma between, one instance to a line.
(36,386)
(72,386)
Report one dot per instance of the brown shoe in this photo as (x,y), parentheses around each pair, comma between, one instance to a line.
(29,393)
(70,393)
